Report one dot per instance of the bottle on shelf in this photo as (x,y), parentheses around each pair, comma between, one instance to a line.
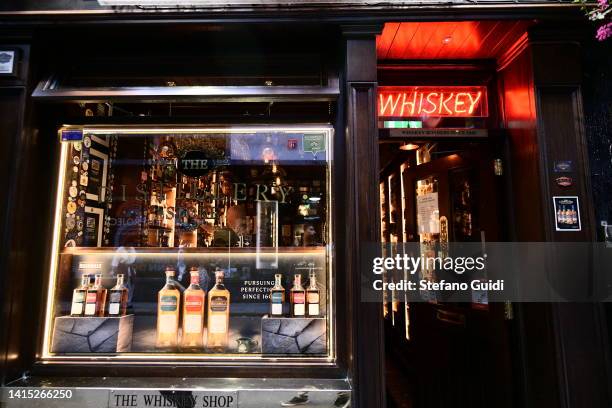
(218,314)
(95,300)
(78,297)
(153,210)
(118,298)
(168,301)
(313,296)
(277,296)
(298,297)
(193,312)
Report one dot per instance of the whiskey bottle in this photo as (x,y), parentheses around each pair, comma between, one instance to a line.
(193,312)
(277,296)
(218,314)
(563,218)
(313,296)
(298,297)
(168,300)
(78,297)
(118,298)
(95,301)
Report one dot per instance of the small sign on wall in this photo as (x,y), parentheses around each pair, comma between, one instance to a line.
(7,62)
(567,213)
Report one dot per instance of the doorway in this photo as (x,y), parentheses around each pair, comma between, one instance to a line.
(442,354)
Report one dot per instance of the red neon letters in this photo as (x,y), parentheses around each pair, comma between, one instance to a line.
(420,101)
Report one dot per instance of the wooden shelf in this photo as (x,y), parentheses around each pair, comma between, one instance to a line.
(203,250)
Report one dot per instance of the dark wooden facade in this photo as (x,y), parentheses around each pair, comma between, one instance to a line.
(561,349)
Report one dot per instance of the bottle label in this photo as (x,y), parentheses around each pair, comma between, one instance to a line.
(217,323)
(276,297)
(193,303)
(91,297)
(77,309)
(298,297)
(78,297)
(218,304)
(192,323)
(313,297)
(115,297)
(277,309)
(168,303)
(113,308)
(313,309)
(299,309)
(168,323)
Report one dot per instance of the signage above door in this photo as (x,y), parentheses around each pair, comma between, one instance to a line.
(432,101)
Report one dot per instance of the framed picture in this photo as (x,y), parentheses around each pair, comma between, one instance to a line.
(7,62)
(97,172)
(567,213)
(93,226)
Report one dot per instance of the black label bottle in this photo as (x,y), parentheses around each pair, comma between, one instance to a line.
(118,298)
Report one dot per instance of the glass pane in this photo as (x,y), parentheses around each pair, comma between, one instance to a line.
(192,242)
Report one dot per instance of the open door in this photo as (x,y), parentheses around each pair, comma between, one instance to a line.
(454,354)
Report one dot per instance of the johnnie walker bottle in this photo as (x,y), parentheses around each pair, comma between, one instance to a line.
(78,297)
(298,297)
(95,301)
(277,296)
(313,296)
(193,312)
(118,298)
(218,314)
(168,301)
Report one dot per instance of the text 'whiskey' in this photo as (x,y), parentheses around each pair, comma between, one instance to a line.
(298,297)
(218,314)
(95,300)
(313,296)
(118,298)
(277,296)
(193,312)
(78,297)
(168,301)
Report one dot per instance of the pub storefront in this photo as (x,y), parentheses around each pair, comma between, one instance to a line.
(190,191)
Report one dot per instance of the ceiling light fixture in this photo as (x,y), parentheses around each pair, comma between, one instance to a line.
(409,146)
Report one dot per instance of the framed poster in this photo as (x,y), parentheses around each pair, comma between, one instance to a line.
(428,213)
(93,226)
(96,176)
(567,213)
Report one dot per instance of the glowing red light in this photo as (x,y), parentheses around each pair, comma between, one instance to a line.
(428,101)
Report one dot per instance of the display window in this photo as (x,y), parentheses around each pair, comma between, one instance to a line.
(192,243)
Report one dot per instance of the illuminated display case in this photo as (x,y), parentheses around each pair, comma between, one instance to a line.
(192,243)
